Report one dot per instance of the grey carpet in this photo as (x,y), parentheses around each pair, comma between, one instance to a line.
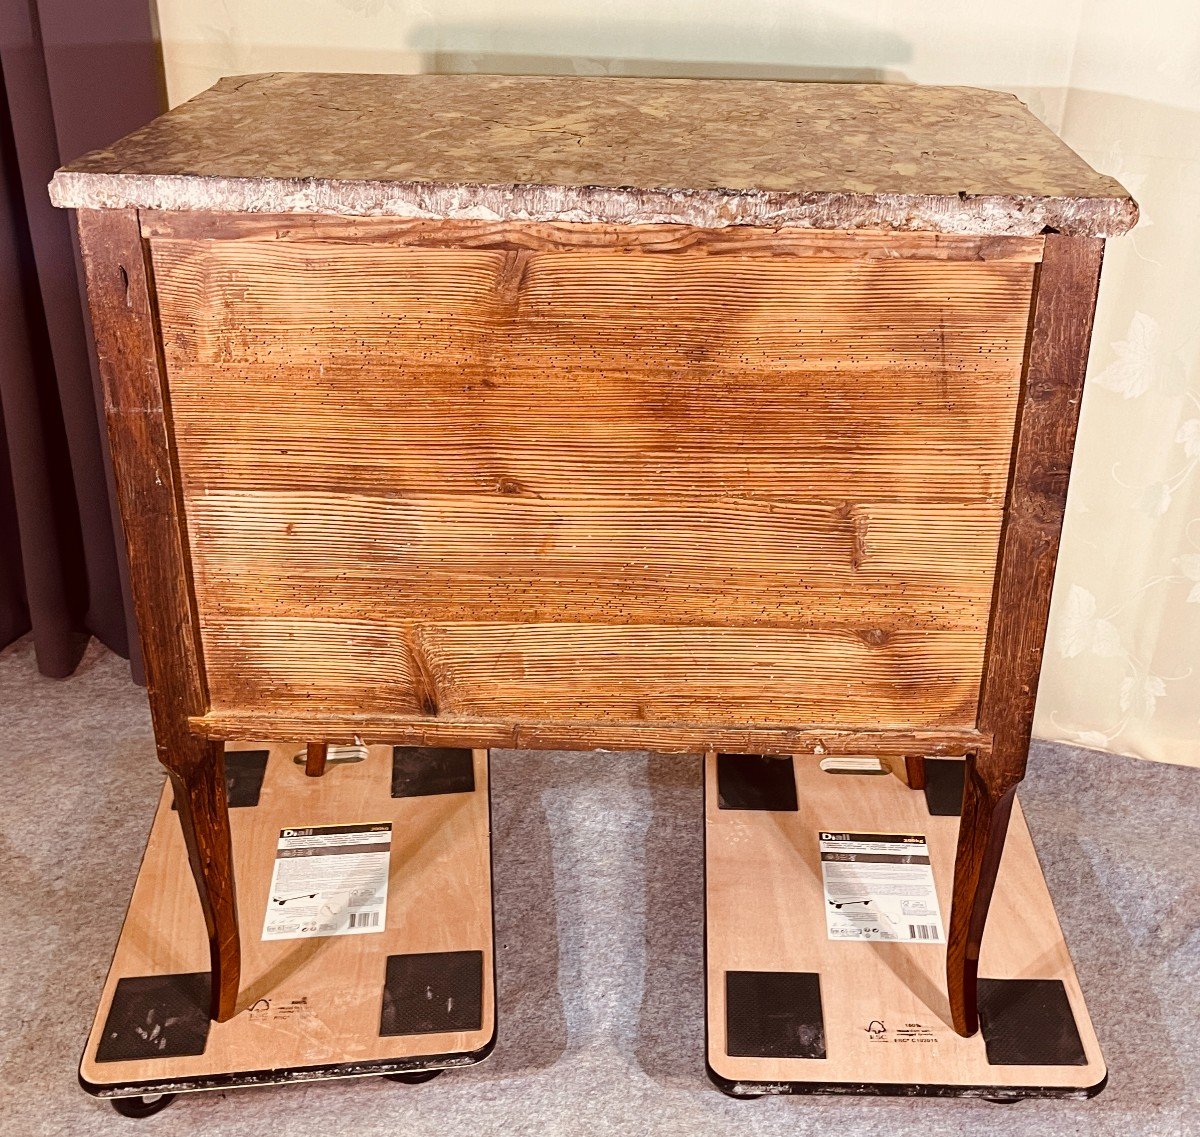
(599,921)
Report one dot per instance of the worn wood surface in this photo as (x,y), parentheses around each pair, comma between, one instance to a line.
(592,486)
(202,810)
(516,236)
(313,1002)
(593,673)
(608,150)
(765,911)
(1063,308)
(539,734)
(120,293)
(875,569)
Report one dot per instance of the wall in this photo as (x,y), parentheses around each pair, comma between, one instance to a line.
(1122,667)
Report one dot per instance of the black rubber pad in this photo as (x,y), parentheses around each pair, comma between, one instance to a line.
(432,992)
(420,771)
(773,1014)
(156,1016)
(753,781)
(944,786)
(1028,1022)
(244,773)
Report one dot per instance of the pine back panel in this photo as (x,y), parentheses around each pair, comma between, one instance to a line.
(590,485)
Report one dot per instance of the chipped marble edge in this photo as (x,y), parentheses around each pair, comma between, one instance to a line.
(1007,215)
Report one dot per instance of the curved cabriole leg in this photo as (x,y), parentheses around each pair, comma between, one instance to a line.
(987,805)
(128,347)
(198,778)
(1064,299)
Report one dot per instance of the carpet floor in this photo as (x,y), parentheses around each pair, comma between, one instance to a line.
(599,906)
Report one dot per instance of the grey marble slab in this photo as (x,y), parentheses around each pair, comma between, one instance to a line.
(709,153)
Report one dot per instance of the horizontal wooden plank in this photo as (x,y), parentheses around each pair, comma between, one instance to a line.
(312,303)
(285,662)
(534,236)
(886,437)
(589,673)
(416,370)
(689,561)
(682,738)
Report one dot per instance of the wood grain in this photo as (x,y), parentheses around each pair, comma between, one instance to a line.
(595,310)
(1063,309)
(592,672)
(314,1002)
(514,236)
(620,374)
(765,911)
(539,734)
(536,433)
(202,809)
(120,295)
(593,485)
(870,568)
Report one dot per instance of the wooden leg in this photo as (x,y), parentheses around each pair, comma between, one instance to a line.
(914,771)
(135,405)
(1052,387)
(314,762)
(198,778)
(987,804)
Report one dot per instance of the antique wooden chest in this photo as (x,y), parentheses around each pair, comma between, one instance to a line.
(591,413)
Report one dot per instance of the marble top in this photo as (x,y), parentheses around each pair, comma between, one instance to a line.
(709,153)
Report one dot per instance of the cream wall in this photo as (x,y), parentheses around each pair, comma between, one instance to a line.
(1122,667)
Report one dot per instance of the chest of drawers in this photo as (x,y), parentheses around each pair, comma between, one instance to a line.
(649,414)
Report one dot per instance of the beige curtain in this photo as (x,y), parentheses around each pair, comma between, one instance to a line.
(1122,668)
(1120,83)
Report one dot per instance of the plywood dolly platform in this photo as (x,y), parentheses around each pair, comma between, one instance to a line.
(373,884)
(825,942)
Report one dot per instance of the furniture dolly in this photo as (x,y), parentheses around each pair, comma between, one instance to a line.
(475,411)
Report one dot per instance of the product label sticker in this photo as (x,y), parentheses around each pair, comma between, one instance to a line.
(329,880)
(879,886)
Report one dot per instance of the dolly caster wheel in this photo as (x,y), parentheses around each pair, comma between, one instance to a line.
(413,1079)
(145,1106)
(1004,1100)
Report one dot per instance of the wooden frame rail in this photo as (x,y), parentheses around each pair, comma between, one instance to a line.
(663,738)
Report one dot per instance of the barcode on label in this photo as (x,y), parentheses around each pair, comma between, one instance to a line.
(922,932)
(364,919)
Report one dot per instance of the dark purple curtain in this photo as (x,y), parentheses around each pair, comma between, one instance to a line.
(76,75)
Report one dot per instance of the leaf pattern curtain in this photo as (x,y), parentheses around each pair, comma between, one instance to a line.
(1122,669)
